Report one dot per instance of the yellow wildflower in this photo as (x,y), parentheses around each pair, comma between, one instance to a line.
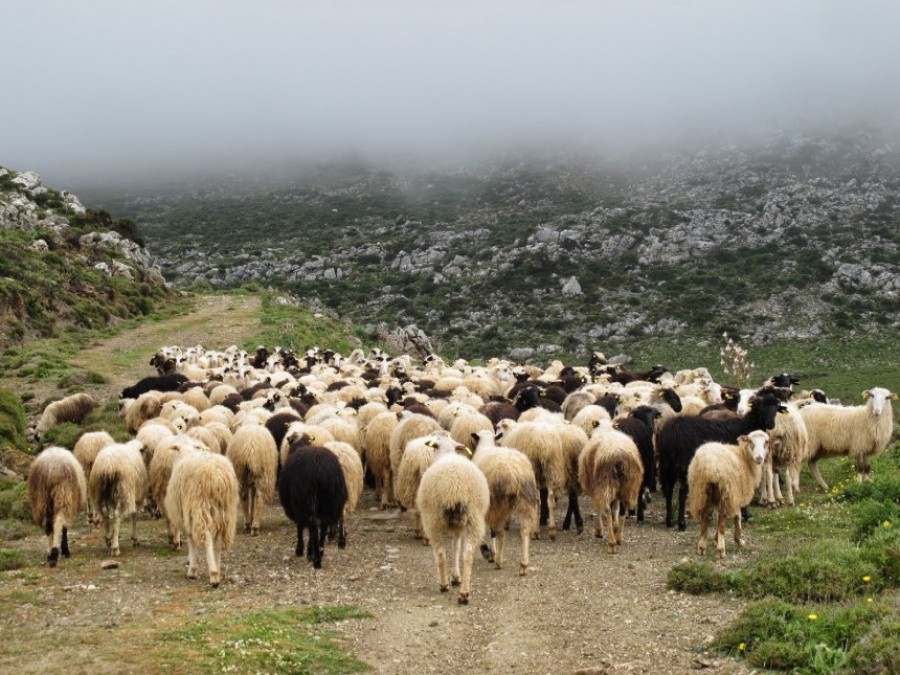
(742,647)
(867,579)
(886,523)
(869,600)
(812,617)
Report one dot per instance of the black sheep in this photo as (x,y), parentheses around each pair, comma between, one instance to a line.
(261,358)
(313,492)
(624,376)
(678,439)
(278,424)
(639,426)
(499,410)
(161,383)
(783,380)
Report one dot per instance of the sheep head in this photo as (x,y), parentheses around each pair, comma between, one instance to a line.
(878,398)
(756,444)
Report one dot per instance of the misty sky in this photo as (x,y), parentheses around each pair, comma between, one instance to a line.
(112,88)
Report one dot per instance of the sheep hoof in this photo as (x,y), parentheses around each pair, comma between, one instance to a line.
(552,535)
(497,566)
(486,553)
(214,580)
(579,528)
(444,589)
(523,569)
(254,531)
(454,582)
(598,535)
(425,541)
(53,557)
(116,551)
(135,543)
(682,527)
(701,550)
(463,599)
(191,573)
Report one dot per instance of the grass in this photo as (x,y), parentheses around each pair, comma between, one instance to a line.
(11,559)
(290,640)
(12,420)
(828,581)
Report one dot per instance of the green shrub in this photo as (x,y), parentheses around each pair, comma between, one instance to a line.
(14,502)
(823,571)
(870,516)
(10,559)
(80,379)
(878,651)
(63,435)
(12,421)
(774,634)
(697,578)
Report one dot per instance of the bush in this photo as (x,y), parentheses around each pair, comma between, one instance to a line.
(774,634)
(63,435)
(697,578)
(10,559)
(879,651)
(12,421)
(823,571)
(14,501)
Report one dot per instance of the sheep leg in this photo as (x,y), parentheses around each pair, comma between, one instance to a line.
(192,558)
(607,514)
(174,535)
(254,512)
(134,537)
(501,545)
(737,530)
(862,468)
(765,485)
(720,532)
(705,515)
(682,504)
(668,489)
(776,487)
(789,486)
(212,560)
(467,553)
(640,505)
(814,470)
(572,510)
(440,557)
(455,550)
(620,529)
(55,540)
(316,542)
(342,533)
(525,533)
(489,551)
(551,511)
(114,540)
(298,550)
(545,510)
(64,548)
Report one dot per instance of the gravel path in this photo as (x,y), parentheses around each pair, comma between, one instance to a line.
(578,610)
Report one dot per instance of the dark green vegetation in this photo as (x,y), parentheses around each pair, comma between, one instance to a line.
(291,640)
(827,585)
(45,293)
(795,239)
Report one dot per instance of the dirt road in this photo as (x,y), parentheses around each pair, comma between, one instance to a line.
(579,608)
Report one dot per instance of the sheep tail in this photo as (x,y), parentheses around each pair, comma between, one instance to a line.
(109,488)
(48,518)
(456,515)
(713,493)
(619,471)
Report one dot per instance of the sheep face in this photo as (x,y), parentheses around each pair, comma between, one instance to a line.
(878,399)
(757,443)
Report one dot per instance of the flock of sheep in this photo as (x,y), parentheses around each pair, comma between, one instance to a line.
(466,448)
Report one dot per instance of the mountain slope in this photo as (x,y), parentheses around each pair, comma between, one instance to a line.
(796,238)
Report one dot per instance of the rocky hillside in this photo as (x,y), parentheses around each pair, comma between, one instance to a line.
(65,266)
(795,238)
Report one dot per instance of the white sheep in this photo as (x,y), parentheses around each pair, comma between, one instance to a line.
(540,442)
(145,407)
(513,491)
(610,472)
(376,439)
(418,456)
(411,425)
(202,502)
(159,473)
(354,477)
(788,448)
(56,491)
(86,449)
(117,489)
(453,500)
(861,432)
(254,456)
(724,477)
(74,408)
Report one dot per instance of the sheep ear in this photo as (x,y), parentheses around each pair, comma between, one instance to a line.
(894,397)
(866,394)
(475,439)
(595,423)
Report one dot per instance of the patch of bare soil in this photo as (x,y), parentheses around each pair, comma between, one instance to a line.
(579,608)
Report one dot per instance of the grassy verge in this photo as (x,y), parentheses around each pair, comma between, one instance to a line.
(291,640)
(827,586)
